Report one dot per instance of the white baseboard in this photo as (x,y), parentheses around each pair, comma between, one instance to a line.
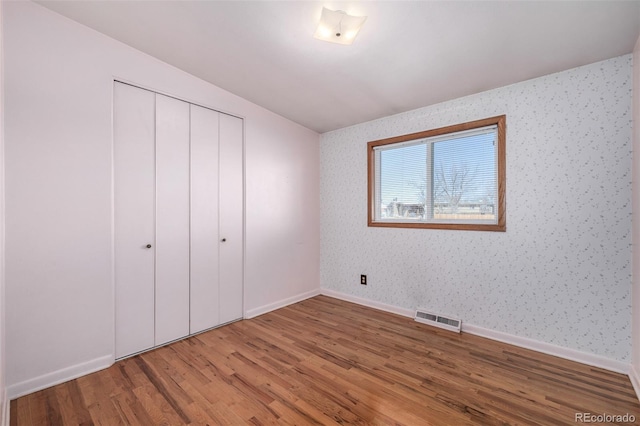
(370,303)
(6,415)
(549,349)
(60,376)
(635,379)
(69,373)
(51,379)
(523,342)
(252,313)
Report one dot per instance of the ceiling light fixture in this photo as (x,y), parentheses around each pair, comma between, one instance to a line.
(337,27)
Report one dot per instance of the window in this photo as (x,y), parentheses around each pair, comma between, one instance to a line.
(447,178)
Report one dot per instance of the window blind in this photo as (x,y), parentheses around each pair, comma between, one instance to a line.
(448,178)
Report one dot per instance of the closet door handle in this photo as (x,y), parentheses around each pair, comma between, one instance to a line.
(148,245)
(223,240)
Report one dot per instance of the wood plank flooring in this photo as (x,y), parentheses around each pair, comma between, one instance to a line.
(325,361)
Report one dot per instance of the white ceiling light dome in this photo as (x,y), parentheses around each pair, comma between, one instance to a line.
(336,26)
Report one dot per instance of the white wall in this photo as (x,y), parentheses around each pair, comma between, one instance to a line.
(561,273)
(635,326)
(59,277)
(4,408)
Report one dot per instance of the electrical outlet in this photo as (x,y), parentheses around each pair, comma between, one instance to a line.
(363,279)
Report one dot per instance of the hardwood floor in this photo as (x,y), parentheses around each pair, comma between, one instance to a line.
(325,361)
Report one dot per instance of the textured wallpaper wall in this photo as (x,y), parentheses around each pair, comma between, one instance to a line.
(561,273)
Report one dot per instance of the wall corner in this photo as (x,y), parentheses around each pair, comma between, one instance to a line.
(4,407)
(635,230)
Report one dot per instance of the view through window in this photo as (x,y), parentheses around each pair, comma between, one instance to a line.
(451,178)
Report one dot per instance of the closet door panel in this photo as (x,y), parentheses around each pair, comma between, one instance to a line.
(231,218)
(204,219)
(172,219)
(134,205)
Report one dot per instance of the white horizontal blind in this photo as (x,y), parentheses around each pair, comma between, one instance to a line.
(448,178)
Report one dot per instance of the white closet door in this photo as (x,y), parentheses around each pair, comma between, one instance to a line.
(204,219)
(172,219)
(134,185)
(231,218)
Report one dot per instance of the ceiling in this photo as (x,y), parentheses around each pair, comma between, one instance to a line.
(409,54)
